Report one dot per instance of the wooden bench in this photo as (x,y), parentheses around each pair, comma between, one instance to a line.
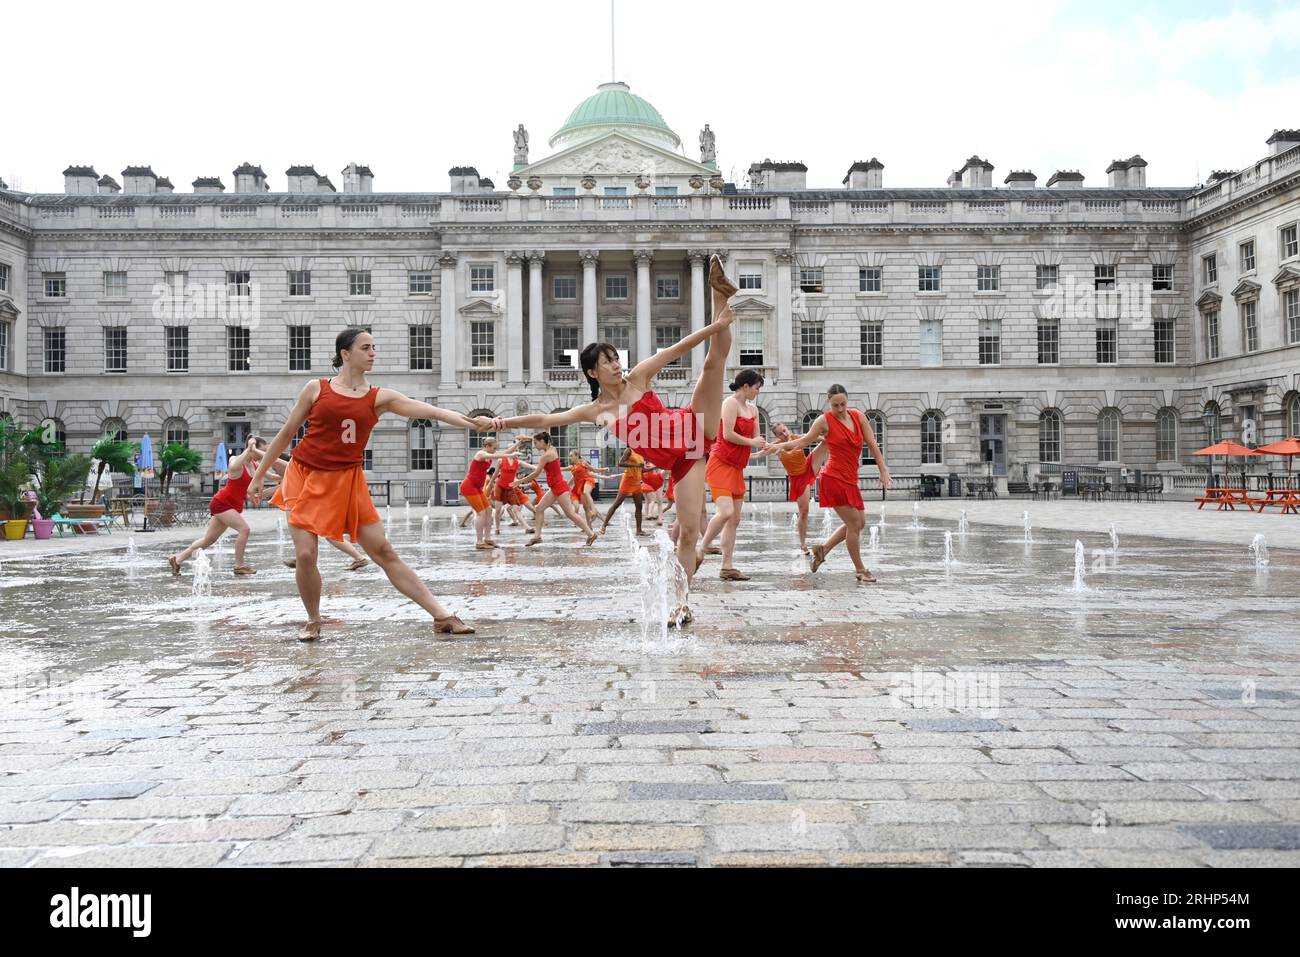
(1228,498)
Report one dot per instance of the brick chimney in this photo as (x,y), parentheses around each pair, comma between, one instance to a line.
(1020,179)
(79,180)
(139,181)
(1065,179)
(1282,140)
(865,175)
(358,179)
(250,179)
(208,184)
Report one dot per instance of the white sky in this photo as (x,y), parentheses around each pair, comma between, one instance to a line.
(411,90)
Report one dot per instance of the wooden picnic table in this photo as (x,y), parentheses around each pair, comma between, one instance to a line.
(1288,499)
(1228,498)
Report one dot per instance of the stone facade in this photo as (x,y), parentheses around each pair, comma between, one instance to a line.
(475,295)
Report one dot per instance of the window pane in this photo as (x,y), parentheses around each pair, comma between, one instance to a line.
(177,341)
(419,283)
(56,350)
(872,336)
(115,349)
(1049,342)
(359,282)
(420,348)
(811,340)
(749,339)
(1049,436)
(616,287)
(238,348)
(299,348)
(482,345)
(564,339)
(932,439)
(564,288)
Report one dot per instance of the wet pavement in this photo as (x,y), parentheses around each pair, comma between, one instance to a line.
(977,711)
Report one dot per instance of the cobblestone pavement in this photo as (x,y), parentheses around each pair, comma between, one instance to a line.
(979,713)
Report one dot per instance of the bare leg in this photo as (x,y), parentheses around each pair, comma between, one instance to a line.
(729,530)
(803,521)
(854,520)
(724,514)
(483,528)
(638,500)
(576,517)
(837,536)
(382,553)
(706,400)
(348,549)
(618,500)
(539,519)
(235,521)
(690,498)
(305,548)
(216,528)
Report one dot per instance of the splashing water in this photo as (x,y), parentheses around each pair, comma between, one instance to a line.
(828,522)
(279,530)
(130,548)
(1080,579)
(1114,538)
(1259,551)
(916,515)
(882,513)
(663,591)
(388,515)
(963,526)
(202,587)
(426,531)
(1029,529)
(948,560)
(407,518)
(794,521)
(873,538)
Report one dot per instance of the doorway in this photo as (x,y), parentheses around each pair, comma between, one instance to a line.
(993,442)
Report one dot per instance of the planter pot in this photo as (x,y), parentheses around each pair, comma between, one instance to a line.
(43,527)
(15,529)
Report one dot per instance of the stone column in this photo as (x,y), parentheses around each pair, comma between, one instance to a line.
(784,317)
(698,258)
(515,317)
(589,301)
(448,320)
(536,362)
(644,337)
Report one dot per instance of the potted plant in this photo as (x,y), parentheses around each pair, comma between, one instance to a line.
(178,459)
(113,456)
(14,474)
(58,477)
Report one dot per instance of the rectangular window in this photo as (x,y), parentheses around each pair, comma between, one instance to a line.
(990,347)
(176,343)
(564,339)
(300,282)
(239,348)
(1164,333)
(620,337)
(56,285)
(751,278)
(1211,267)
(665,190)
(56,349)
(239,283)
(871,279)
(482,345)
(749,341)
(931,343)
(1249,327)
(1103,277)
(665,338)
(367,459)
(4,277)
(616,198)
(1047,277)
(565,198)
(1107,334)
(299,348)
(872,343)
(564,288)
(812,340)
(615,287)
(114,348)
(812,279)
(4,347)
(419,348)
(987,278)
(1247,250)
(421,433)
(482,278)
(1212,334)
(420,283)
(929,278)
(1049,342)
(1290,246)
(1291,309)
(1162,278)
(668,288)
(114,285)
(359,282)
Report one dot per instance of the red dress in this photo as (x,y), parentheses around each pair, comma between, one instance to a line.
(472,483)
(838,481)
(232,494)
(670,439)
(505,490)
(555,477)
(799,472)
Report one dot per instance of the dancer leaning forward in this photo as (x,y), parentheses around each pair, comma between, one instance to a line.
(674,440)
(845,431)
(324,488)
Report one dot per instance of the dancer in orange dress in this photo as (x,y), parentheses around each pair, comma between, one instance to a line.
(737,440)
(675,440)
(629,487)
(801,470)
(845,431)
(557,491)
(474,489)
(583,478)
(324,488)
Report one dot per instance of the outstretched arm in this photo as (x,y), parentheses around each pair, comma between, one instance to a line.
(297,416)
(390,400)
(550,420)
(644,372)
(814,434)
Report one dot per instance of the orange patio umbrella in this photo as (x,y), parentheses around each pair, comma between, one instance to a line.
(1288,447)
(1226,447)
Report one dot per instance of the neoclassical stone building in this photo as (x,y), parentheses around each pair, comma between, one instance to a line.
(1022,325)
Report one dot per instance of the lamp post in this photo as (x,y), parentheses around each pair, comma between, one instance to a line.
(1208,416)
(437,484)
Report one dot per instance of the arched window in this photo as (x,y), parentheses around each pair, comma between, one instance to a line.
(565,439)
(932,438)
(1292,417)
(1108,436)
(176,430)
(54,431)
(1212,416)
(1167,435)
(114,428)
(764,425)
(877,422)
(475,436)
(808,419)
(298,436)
(1049,436)
(421,438)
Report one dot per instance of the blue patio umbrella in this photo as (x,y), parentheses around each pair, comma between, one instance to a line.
(144,466)
(221,464)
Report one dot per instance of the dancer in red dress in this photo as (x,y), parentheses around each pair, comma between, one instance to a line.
(227,510)
(801,470)
(845,431)
(505,495)
(583,477)
(557,491)
(674,440)
(737,440)
(474,488)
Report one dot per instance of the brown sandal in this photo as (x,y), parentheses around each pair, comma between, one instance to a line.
(291,563)
(733,575)
(531,542)
(310,631)
(358,564)
(818,557)
(175,565)
(451,625)
(245,570)
(867,578)
(591,539)
(718,278)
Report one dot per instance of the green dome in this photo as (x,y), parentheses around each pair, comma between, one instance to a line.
(613,106)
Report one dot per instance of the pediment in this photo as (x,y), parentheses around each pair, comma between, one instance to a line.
(483,308)
(750,304)
(1209,300)
(1246,289)
(1287,274)
(8,310)
(615,154)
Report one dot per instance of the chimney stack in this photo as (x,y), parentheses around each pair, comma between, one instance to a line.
(139,181)
(358,179)
(250,179)
(79,180)
(464,179)
(778,175)
(1065,179)
(976,174)
(108,185)
(1282,140)
(868,175)
(208,184)
(302,179)
(165,185)
(1021,179)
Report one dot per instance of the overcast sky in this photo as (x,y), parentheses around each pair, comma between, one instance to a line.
(411,90)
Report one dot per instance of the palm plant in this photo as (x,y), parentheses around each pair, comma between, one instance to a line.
(15,473)
(114,456)
(58,478)
(178,459)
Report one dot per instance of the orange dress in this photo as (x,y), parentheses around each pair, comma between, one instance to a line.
(725,473)
(582,481)
(471,485)
(798,471)
(324,489)
(631,482)
(838,481)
